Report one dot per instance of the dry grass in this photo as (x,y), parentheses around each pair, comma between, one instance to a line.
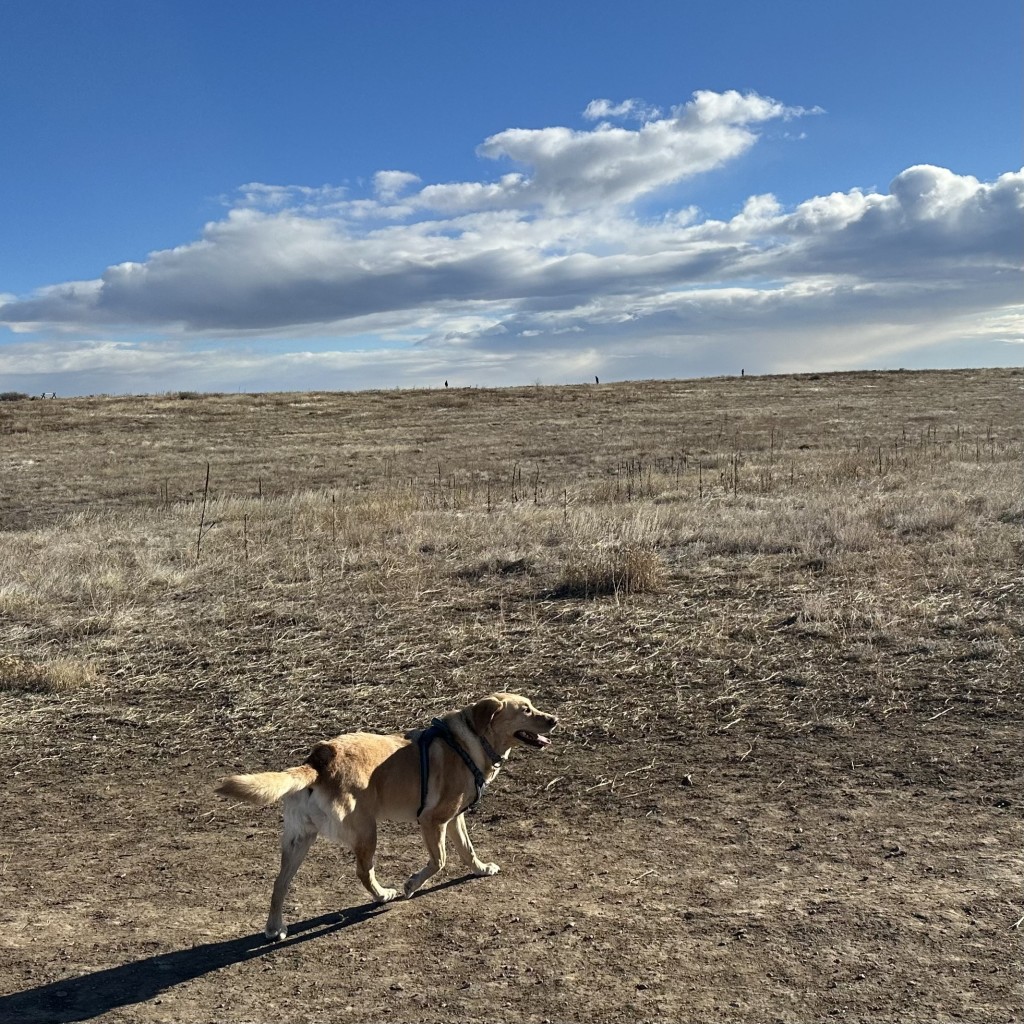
(55,675)
(780,620)
(773,555)
(600,571)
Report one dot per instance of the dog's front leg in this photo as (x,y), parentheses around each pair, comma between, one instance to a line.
(433,832)
(466,851)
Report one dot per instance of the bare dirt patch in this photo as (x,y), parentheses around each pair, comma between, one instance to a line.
(787,786)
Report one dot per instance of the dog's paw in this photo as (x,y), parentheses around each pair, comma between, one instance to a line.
(484,870)
(386,895)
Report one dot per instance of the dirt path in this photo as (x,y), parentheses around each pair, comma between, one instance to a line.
(816,878)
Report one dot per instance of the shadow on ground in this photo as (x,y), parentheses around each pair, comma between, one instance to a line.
(92,995)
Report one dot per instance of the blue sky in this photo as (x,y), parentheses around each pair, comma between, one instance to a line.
(257,196)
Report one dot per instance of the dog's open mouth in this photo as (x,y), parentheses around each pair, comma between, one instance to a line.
(532,739)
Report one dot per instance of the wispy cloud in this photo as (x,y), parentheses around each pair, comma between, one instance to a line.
(551,263)
(634,110)
(389,185)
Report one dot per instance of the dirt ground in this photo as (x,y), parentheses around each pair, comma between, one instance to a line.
(815,879)
(769,800)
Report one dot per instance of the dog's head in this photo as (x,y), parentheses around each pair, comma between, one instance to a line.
(509,720)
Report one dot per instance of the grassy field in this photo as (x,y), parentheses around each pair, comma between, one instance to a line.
(779,617)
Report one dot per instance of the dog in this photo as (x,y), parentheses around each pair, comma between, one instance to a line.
(430,776)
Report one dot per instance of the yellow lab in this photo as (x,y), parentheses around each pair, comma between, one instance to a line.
(432,776)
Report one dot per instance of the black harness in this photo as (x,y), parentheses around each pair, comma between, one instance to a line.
(440,729)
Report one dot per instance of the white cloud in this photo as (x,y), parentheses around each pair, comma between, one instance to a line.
(389,185)
(599,110)
(609,165)
(550,260)
(275,197)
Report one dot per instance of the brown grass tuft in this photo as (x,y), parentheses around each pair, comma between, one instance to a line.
(605,571)
(51,675)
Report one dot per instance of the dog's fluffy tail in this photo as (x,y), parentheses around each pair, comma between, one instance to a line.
(266,788)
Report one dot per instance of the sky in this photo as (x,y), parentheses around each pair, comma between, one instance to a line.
(218,195)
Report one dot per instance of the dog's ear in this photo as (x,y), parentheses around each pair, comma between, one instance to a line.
(482,713)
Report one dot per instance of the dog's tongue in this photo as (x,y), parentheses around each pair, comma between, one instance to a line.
(533,738)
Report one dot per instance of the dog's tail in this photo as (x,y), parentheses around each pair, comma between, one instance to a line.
(266,788)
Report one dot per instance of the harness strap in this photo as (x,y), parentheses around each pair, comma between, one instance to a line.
(426,738)
(440,728)
(495,758)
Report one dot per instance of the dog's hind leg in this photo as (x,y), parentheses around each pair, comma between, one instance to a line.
(364,846)
(294,847)
(466,852)
(434,840)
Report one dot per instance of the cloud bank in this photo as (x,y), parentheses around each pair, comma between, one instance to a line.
(555,268)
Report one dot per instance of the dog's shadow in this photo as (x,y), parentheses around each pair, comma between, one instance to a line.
(91,995)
